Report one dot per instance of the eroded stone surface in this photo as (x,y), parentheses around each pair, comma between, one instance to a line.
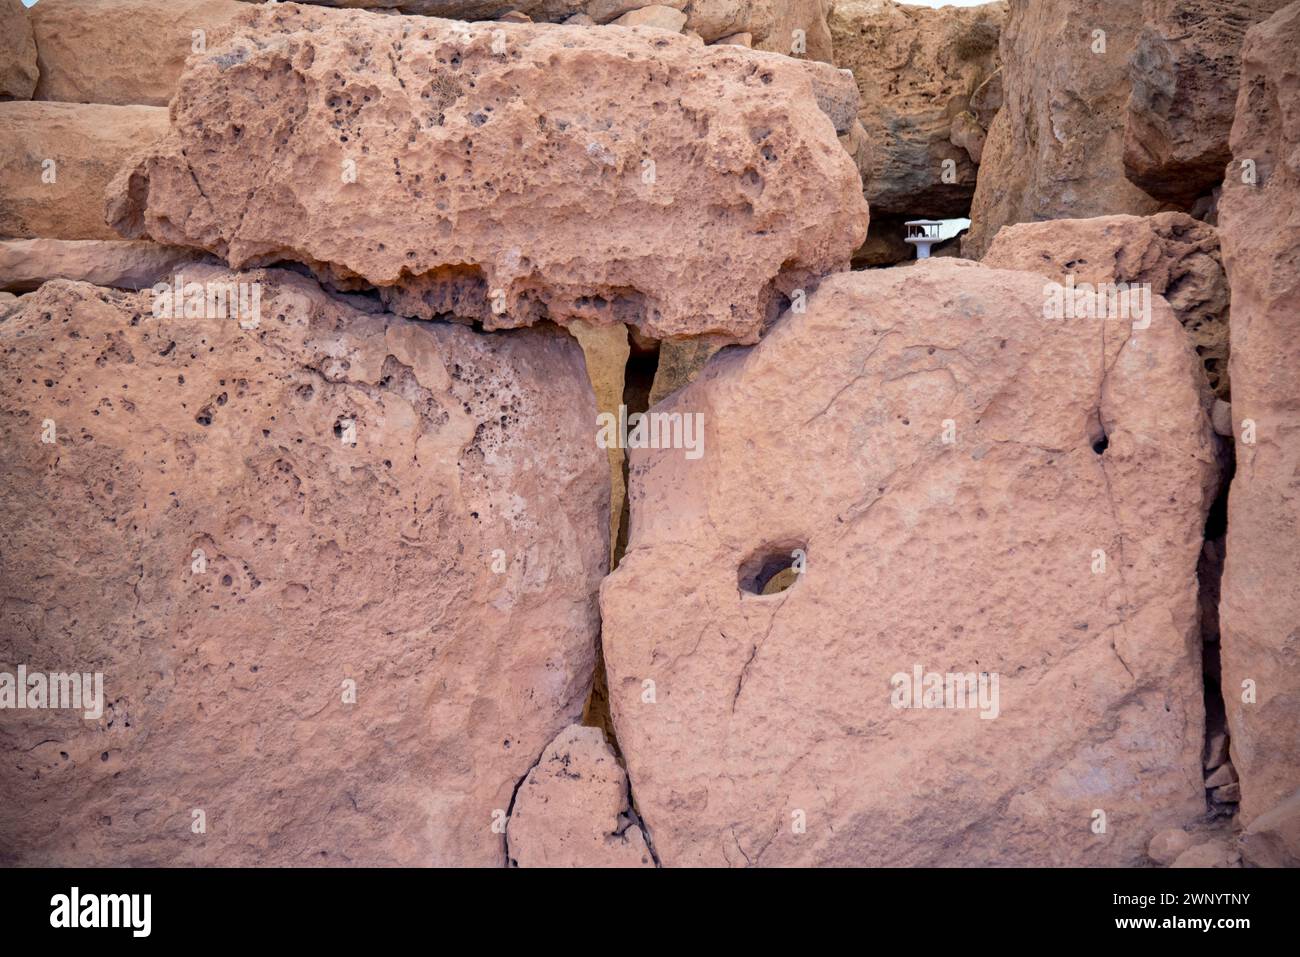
(124,263)
(1214,853)
(745,717)
(799,28)
(1055,149)
(656,15)
(573,808)
(680,361)
(770,23)
(18,71)
(57,159)
(605,350)
(1177,256)
(1166,846)
(324,561)
(121,51)
(1183,77)
(1273,838)
(916,69)
(1260,607)
(524,173)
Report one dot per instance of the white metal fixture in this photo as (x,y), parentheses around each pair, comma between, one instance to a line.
(922,233)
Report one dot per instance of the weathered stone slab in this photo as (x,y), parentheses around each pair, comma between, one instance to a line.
(508,173)
(972,489)
(337,571)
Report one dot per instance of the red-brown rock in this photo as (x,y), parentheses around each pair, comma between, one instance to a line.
(758,727)
(1273,838)
(916,69)
(772,24)
(1055,149)
(573,808)
(799,28)
(1259,224)
(121,51)
(1177,256)
(1183,79)
(409,512)
(571,172)
(57,159)
(125,264)
(18,72)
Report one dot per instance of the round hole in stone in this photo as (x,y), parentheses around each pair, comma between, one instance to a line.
(773,568)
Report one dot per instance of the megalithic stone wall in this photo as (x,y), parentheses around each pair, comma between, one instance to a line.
(509,173)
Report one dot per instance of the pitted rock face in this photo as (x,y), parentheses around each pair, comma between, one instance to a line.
(916,70)
(758,725)
(1259,221)
(1055,150)
(573,809)
(1176,255)
(234,525)
(1183,75)
(507,173)
(792,27)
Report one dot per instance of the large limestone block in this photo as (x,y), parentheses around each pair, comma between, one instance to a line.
(125,263)
(799,28)
(574,810)
(414,508)
(507,172)
(1055,148)
(609,11)
(916,70)
(656,15)
(1175,255)
(121,51)
(1260,608)
(57,159)
(538,10)
(720,19)
(1183,77)
(18,70)
(759,728)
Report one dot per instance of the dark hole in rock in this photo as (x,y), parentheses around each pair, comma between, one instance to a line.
(1097,435)
(772,569)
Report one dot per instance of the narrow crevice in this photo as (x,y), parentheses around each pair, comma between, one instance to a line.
(1209,573)
(635,818)
(510,808)
(638,380)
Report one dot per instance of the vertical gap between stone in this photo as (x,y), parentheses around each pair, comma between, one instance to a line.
(638,379)
(1209,573)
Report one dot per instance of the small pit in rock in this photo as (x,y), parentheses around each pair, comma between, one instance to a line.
(1097,437)
(772,569)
